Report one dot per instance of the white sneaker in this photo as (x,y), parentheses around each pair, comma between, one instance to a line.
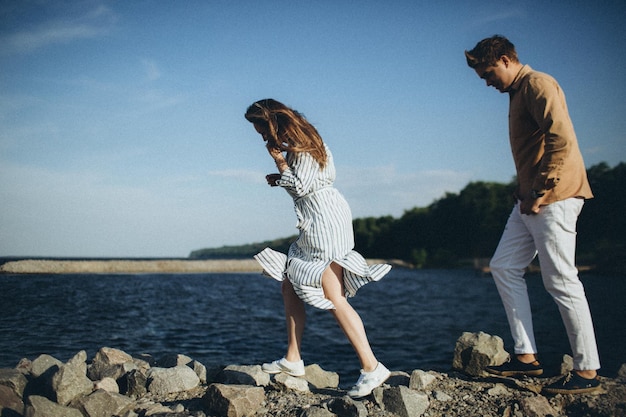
(369,380)
(283,365)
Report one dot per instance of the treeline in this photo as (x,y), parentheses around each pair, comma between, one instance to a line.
(459,228)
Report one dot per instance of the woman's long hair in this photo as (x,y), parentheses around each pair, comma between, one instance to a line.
(287,129)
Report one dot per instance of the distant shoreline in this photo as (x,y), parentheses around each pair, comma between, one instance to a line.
(128,266)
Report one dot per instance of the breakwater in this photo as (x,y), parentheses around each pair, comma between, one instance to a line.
(128,266)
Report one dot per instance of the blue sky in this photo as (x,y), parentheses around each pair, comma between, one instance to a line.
(122,130)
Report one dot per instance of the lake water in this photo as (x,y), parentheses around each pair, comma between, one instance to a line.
(413,318)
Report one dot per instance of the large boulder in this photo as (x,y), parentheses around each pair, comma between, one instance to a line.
(320,378)
(475,351)
(109,362)
(101,403)
(67,383)
(244,375)
(168,380)
(405,402)
(38,406)
(234,400)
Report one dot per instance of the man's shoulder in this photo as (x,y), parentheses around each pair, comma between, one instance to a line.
(538,77)
(537,80)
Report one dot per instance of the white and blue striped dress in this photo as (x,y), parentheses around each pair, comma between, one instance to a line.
(324,221)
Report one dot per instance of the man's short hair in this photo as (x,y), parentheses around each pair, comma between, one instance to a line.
(488,51)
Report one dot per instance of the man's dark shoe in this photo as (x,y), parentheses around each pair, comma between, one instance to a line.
(516,368)
(572,383)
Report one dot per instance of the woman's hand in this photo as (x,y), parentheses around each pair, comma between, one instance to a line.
(272,178)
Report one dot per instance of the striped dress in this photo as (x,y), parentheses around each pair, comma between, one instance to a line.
(324,222)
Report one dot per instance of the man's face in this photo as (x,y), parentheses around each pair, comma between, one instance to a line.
(500,76)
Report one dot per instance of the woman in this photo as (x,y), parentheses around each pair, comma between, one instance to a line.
(321,268)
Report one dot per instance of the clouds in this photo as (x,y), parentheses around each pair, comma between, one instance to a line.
(95,22)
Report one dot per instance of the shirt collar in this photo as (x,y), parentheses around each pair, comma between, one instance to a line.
(518,78)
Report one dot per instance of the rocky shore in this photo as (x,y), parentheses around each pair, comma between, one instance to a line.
(116,384)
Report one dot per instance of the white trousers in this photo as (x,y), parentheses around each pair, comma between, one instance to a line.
(551,235)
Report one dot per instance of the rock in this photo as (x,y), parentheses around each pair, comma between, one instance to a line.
(42,364)
(536,406)
(405,402)
(109,362)
(498,390)
(347,407)
(234,400)
(244,375)
(101,403)
(14,380)
(420,380)
(567,364)
(167,380)
(398,378)
(621,373)
(292,382)
(474,351)
(79,363)
(200,370)
(441,396)
(67,384)
(10,402)
(42,407)
(320,378)
(170,361)
(107,384)
(134,384)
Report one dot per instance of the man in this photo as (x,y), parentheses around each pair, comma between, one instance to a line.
(552,186)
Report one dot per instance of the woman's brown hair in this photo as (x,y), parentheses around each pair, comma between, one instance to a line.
(287,129)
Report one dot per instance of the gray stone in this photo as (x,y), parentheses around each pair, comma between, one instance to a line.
(320,378)
(292,382)
(101,403)
(169,380)
(13,379)
(441,396)
(79,363)
(567,364)
(420,380)
(67,384)
(234,400)
(398,378)
(10,402)
(38,406)
(134,384)
(621,373)
(498,390)
(244,375)
(200,370)
(107,384)
(347,407)
(474,351)
(109,362)
(405,402)
(536,406)
(170,361)
(42,364)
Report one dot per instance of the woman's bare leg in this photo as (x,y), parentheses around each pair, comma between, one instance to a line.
(347,318)
(295,318)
